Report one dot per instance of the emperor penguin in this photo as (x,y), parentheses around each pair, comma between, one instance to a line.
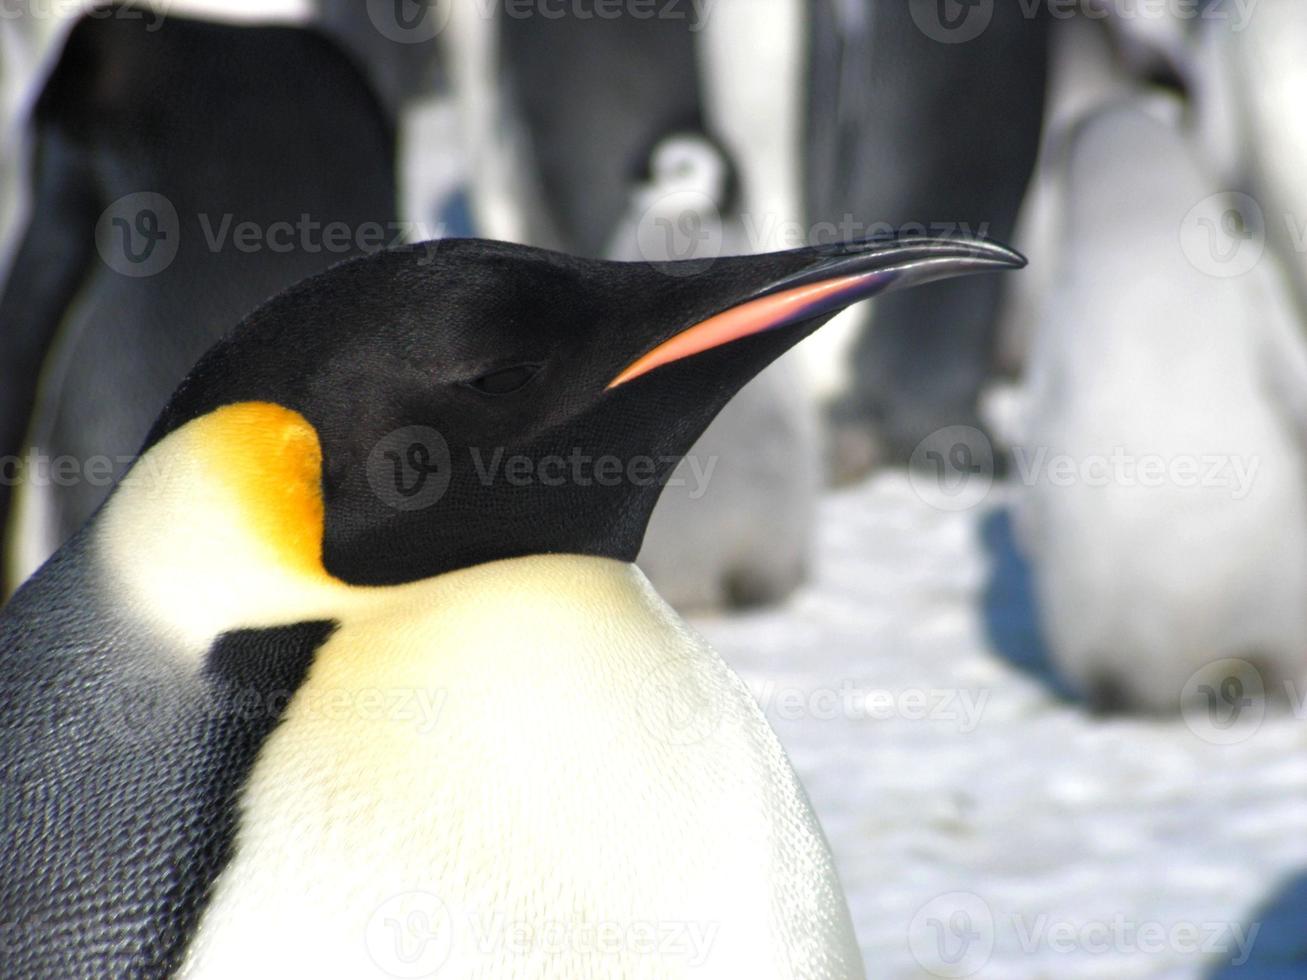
(920,111)
(353,675)
(692,155)
(160,144)
(1162,474)
(1097,59)
(1084,75)
(1257,61)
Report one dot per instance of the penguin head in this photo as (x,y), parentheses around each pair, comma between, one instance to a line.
(475,401)
(692,161)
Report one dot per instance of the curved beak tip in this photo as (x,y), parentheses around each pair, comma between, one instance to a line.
(1004,257)
(840,276)
(893,250)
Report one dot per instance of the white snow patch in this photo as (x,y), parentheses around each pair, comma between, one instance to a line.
(1054,819)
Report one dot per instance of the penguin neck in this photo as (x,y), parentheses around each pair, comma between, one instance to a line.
(218,527)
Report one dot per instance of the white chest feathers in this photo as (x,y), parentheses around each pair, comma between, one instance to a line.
(527,769)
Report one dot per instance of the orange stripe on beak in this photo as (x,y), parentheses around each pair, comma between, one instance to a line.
(738,322)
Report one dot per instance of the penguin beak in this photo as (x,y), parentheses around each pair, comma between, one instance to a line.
(828,280)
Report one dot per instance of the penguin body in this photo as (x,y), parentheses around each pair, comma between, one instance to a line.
(138,254)
(1268,82)
(1096,62)
(635,733)
(1083,77)
(314,718)
(19,45)
(1165,389)
(402,65)
(589,140)
(878,70)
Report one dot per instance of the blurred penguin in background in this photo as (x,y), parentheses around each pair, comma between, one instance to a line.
(1184,48)
(657,139)
(400,57)
(158,143)
(16,58)
(1084,74)
(1162,478)
(1261,66)
(921,111)
(28,44)
(1152,44)
(1097,59)
(399,47)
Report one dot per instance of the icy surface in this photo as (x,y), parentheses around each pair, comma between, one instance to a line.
(981,825)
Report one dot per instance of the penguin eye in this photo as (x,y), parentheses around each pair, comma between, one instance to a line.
(504,381)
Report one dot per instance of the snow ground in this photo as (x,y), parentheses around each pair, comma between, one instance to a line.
(982,825)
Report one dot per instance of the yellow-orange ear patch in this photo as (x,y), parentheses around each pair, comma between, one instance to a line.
(269,460)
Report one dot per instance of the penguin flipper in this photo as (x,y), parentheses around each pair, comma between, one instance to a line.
(49,267)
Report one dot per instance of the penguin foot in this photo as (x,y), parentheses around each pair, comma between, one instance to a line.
(1107,695)
(750,588)
(1279,688)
